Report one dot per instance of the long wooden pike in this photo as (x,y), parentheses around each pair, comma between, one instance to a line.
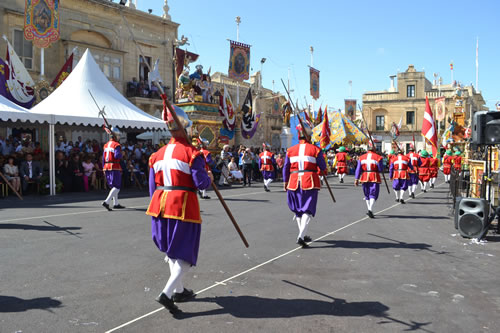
(308,138)
(179,125)
(10,186)
(373,143)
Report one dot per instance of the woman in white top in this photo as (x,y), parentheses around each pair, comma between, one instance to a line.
(233,168)
(12,174)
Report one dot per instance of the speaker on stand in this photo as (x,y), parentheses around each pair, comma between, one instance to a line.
(472,217)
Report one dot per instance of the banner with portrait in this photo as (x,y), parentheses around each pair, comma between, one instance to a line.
(440,107)
(314,82)
(239,61)
(350,108)
(41,22)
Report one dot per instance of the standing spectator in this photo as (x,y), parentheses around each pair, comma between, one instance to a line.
(11,172)
(280,161)
(30,172)
(7,148)
(247,167)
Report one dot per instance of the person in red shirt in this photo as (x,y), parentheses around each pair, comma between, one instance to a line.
(447,165)
(424,170)
(112,169)
(433,169)
(368,174)
(413,173)
(457,161)
(266,166)
(340,162)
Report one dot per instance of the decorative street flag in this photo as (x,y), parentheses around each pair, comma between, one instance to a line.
(249,120)
(239,61)
(429,127)
(63,73)
(325,132)
(41,22)
(182,59)
(314,82)
(15,82)
(440,103)
(226,110)
(350,108)
(319,117)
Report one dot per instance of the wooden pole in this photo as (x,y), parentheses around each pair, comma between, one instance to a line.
(11,187)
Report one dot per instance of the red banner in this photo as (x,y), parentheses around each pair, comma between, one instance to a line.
(239,61)
(314,82)
(350,108)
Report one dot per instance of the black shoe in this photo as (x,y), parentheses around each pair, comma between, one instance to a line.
(402,201)
(265,188)
(397,200)
(425,191)
(341,181)
(301,242)
(413,195)
(185,296)
(168,304)
(118,206)
(307,239)
(370,214)
(205,197)
(199,193)
(105,205)
(432,185)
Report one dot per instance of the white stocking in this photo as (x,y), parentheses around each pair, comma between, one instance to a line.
(372,202)
(115,196)
(178,268)
(402,194)
(340,176)
(424,185)
(367,204)
(203,193)
(305,219)
(397,194)
(111,195)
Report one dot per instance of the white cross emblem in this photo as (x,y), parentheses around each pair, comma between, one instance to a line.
(400,162)
(107,152)
(302,158)
(369,162)
(413,158)
(265,157)
(168,163)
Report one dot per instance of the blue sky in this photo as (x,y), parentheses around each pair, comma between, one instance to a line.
(363,41)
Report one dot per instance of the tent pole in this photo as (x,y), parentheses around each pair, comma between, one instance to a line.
(52,169)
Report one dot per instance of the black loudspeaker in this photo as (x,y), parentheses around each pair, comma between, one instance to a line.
(471,217)
(486,128)
(457,209)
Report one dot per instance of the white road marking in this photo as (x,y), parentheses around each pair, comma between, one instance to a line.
(223,282)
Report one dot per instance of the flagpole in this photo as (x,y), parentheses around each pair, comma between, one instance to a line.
(238,21)
(42,63)
(477,64)
(312,65)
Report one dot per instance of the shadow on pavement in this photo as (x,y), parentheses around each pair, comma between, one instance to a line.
(428,203)
(13,226)
(15,304)
(370,245)
(249,200)
(415,217)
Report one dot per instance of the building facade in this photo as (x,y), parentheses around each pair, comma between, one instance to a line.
(405,103)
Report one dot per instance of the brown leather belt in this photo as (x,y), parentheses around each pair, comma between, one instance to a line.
(176,188)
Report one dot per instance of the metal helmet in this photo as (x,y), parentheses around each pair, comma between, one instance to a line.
(115,131)
(183,118)
(306,128)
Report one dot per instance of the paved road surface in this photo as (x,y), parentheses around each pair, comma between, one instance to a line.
(67,265)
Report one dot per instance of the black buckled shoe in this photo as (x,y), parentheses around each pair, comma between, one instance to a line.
(402,201)
(307,239)
(370,214)
(105,205)
(118,206)
(302,243)
(168,304)
(185,296)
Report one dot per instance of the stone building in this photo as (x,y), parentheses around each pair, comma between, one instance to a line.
(265,101)
(98,25)
(406,102)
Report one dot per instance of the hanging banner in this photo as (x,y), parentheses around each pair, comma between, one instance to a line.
(227,111)
(440,107)
(249,119)
(350,108)
(239,61)
(41,22)
(63,73)
(183,59)
(314,82)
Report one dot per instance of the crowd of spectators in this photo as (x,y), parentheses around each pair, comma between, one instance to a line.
(141,89)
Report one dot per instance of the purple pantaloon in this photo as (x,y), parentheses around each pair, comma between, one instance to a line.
(413,179)
(302,201)
(371,190)
(114,178)
(400,184)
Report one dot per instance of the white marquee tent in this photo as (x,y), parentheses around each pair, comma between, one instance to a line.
(72,104)
(10,111)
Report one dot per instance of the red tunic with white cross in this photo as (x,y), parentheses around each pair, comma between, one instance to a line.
(400,167)
(110,160)
(172,166)
(266,163)
(424,172)
(303,167)
(369,165)
(414,162)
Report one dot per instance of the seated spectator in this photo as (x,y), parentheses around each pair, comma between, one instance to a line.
(30,171)
(76,170)
(88,173)
(37,152)
(11,172)
(62,172)
(7,148)
(68,149)
(233,169)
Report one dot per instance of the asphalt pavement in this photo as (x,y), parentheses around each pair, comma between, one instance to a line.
(67,265)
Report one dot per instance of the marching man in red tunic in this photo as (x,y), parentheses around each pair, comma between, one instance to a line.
(413,173)
(433,169)
(398,172)
(340,162)
(368,174)
(447,165)
(424,170)
(266,166)
(457,161)
(112,168)
(176,172)
(300,175)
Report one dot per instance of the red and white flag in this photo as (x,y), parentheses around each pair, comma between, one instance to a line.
(325,132)
(429,127)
